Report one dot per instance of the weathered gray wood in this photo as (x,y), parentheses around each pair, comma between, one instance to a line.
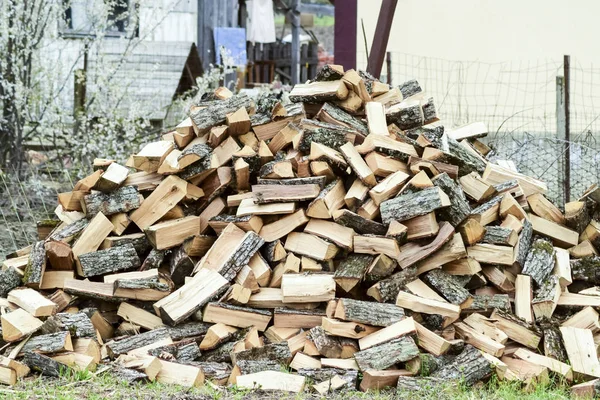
(547,291)
(154,259)
(253,366)
(188,352)
(34,271)
(214,113)
(351,270)
(387,290)
(407,206)
(9,279)
(540,261)
(314,180)
(524,243)
(44,365)
(497,235)
(368,312)
(241,255)
(387,354)
(429,111)
(70,232)
(446,285)
(486,206)
(361,225)
(507,186)
(469,367)
(47,344)
(586,269)
(113,259)
(116,348)
(124,199)
(78,324)
(433,134)
(278,352)
(201,150)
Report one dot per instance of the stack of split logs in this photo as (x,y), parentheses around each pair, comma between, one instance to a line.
(337,234)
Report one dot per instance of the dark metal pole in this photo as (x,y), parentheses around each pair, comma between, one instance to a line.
(567,74)
(344,45)
(388,66)
(382,34)
(295,42)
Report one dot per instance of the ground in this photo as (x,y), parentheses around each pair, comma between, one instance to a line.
(88,386)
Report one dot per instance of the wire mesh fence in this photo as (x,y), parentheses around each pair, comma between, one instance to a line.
(519,102)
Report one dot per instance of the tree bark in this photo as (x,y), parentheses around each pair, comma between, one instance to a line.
(275,352)
(351,270)
(485,304)
(407,206)
(387,354)
(330,113)
(447,286)
(327,345)
(524,242)
(315,180)
(241,255)
(470,367)
(116,348)
(188,330)
(79,325)
(47,344)
(419,384)
(215,112)
(359,224)
(497,235)
(459,208)
(369,313)
(586,269)
(387,290)
(70,232)
(154,260)
(44,365)
(113,259)
(180,266)
(466,161)
(540,261)
(9,279)
(124,199)
(327,136)
(409,88)
(213,370)
(129,375)
(34,271)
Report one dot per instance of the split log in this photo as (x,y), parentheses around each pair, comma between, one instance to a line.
(546,298)
(44,364)
(387,354)
(469,367)
(113,259)
(47,344)
(18,324)
(524,243)
(500,235)
(9,280)
(215,112)
(319,92)
(448,287)
(459,207)
(241,317)
(351,270)
(387,290)
(124,199)
(78,324)
(276,352)
(411,205)
(146,340)
(359,224)
(540,261)
(36,265)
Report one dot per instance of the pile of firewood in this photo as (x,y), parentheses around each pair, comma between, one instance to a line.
(344,233)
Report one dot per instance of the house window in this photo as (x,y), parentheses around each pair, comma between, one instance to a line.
(119,16)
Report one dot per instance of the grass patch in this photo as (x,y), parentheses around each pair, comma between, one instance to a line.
(85,385)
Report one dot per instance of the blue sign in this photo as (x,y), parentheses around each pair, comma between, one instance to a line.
(231,44)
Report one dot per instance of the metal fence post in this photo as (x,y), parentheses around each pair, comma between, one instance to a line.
(567,85)
(560,130)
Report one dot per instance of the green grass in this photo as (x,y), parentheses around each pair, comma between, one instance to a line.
(85,385)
